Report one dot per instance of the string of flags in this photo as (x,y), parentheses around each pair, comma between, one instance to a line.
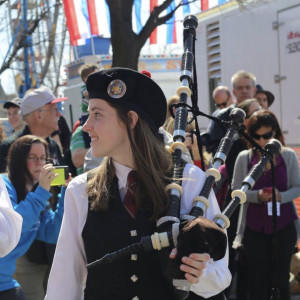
(91,18)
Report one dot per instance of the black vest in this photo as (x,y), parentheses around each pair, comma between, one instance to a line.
(106,232)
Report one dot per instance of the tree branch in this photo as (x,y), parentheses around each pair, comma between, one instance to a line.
(49,52)
(163,20)
(154,20)
(18,46)
(151,23)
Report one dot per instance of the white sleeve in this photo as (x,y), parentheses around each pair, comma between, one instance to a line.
(216,276)
(10,222)
(68,273)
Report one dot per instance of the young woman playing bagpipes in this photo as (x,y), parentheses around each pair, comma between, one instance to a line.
(126,109)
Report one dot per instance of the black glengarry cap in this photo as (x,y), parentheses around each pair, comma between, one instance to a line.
(132,90)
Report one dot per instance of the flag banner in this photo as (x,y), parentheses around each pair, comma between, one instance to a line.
(77,20)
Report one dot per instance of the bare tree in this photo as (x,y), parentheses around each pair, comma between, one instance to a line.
(20,44)
(126,44)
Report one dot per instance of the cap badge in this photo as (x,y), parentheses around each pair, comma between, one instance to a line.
(116,89)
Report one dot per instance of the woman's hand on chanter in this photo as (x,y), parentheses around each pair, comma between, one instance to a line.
(47,176)
(193,265)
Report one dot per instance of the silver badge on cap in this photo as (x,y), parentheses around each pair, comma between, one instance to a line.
(116,89)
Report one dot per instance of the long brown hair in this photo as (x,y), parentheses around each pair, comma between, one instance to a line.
(17,170)
(152,163)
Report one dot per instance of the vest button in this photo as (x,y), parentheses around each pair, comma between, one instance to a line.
(133,233)
(134,278)
(133,256)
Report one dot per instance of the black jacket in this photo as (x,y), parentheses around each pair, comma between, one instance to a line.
(216,131)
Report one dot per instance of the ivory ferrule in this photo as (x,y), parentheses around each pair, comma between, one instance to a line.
(213,172)
(240,194)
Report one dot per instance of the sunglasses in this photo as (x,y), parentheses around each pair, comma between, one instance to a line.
(223,104)
(265,136)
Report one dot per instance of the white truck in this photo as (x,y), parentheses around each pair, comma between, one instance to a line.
(262,38)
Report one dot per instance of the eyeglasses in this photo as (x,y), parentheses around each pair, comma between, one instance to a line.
(223,104)
(36,159)
(265,136)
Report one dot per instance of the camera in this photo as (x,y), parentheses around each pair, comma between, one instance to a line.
(63,174)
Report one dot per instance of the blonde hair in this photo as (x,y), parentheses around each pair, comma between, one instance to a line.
(172,100)
(169,127)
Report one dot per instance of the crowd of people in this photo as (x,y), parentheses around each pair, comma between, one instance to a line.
(117,155)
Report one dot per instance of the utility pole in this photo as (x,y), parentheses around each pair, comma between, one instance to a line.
(27,82)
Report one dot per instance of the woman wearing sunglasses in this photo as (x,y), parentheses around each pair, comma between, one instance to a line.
(28,184)
(255,229)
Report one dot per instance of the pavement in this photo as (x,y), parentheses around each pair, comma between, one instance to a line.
(293,297)
(294,284)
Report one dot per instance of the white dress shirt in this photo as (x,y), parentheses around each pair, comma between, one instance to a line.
(10,222)
(68,274)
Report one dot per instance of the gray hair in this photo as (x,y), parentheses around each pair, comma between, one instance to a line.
(243,74)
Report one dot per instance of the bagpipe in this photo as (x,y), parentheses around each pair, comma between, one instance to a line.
(192,233)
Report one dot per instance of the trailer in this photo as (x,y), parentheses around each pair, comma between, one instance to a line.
(263,38)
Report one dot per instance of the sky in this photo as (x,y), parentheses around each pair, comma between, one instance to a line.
(6,78)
